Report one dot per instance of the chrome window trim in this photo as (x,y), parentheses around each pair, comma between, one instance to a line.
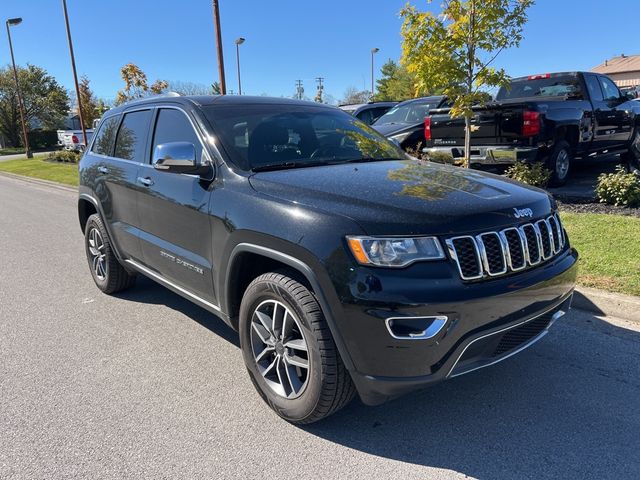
(454,256)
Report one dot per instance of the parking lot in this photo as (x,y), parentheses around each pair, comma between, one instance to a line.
(147,385)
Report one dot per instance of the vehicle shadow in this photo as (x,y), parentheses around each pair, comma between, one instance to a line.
(567,408)
(148,291)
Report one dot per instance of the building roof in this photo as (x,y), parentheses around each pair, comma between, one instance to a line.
(621,64)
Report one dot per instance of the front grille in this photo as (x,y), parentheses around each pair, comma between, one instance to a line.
(492,254)
(518,336)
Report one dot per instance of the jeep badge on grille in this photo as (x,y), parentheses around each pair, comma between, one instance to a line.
(522,212)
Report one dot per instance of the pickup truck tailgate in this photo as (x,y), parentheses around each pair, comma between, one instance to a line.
(490,125)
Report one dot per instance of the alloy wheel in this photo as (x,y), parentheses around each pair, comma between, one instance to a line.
(280,349)
(562,164)
(98,255)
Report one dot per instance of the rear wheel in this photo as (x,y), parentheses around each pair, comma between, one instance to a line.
(633,155)
(289,352)
(559,163)
(108,275)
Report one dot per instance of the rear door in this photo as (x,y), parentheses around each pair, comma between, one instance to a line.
(616,120)
(117,173)
(176,231)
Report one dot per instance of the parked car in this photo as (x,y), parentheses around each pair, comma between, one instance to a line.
(73,139)
(554,117)
(346,266)
(404,124)
(368,112)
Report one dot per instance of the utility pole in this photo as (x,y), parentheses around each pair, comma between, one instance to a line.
(299,90)
(25,135)
(216,24)
(75,74)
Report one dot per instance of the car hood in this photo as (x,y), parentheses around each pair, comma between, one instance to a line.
(389,129)
(407,197)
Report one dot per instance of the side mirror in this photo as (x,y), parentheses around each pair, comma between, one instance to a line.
(178,157)
(629,96)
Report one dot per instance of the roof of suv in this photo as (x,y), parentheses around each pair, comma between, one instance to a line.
(204,100)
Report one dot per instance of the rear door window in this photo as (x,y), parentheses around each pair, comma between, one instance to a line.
(595,93)
(131,142)
(106,136)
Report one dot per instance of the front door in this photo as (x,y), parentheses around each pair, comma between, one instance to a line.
(175,227)
(614,122)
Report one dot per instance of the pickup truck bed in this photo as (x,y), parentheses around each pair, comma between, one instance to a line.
(541,118)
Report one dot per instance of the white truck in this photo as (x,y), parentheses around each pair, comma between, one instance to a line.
(73,139)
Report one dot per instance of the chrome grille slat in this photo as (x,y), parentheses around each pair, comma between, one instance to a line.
(496,253)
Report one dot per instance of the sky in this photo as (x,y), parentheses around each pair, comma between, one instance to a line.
(286,40)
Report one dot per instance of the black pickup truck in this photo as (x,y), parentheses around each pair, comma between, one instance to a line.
(553,117)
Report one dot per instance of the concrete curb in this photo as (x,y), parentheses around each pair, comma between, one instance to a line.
(39,181)
(604,303)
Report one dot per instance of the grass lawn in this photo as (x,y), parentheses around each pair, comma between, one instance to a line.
(66,173)
(609,250)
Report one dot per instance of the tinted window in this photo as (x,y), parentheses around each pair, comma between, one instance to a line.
(541,87)
(132,136)
(609,89)
(174,126)
(594,88)
(414,112)
(257,136)
(106,136)
(366,116)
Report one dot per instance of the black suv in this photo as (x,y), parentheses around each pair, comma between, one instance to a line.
(345,265)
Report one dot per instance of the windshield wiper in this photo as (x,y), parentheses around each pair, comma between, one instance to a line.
(286,165)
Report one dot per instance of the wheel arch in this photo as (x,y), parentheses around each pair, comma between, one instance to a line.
(247,261)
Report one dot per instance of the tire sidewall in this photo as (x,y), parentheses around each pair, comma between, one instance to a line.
(553,166)
(94,222)
(296,409)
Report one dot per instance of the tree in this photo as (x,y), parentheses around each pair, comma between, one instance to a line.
(353,95)
(90,104)
(136,86)
(190,88)
(396,84)
(46,102)
(215,88)
(454,51)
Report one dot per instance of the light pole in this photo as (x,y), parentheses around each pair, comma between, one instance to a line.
(373,52)
(216,24)
(239,41)
(75,75)
(11,22)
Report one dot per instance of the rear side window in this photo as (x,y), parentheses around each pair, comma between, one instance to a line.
(594,88)
(106,136)
(174,126)
(132,136)
(563,86)
(609,89)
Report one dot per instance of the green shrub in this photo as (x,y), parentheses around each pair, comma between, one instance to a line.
(67,156)
(535,174)
(620,188)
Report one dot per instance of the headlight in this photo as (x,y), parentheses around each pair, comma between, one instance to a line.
(400,137)
(394,252)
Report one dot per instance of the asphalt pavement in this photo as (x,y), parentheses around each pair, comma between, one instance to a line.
(147,385)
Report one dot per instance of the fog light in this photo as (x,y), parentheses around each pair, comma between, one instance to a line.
(415,328)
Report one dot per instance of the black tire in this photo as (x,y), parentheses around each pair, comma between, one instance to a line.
(559,162)
(111,277)
(632,157)
(327,385)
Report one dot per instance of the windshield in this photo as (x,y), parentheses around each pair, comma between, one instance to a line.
(409,113)
(567,85)
(259,137)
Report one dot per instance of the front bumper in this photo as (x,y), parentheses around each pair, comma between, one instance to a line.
(486,322)
(484,155)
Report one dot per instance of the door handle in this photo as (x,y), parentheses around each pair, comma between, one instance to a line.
(103,170)
(146,181)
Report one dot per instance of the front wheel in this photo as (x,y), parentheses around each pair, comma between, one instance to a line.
(289,352)
(633,155)
(560,164)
